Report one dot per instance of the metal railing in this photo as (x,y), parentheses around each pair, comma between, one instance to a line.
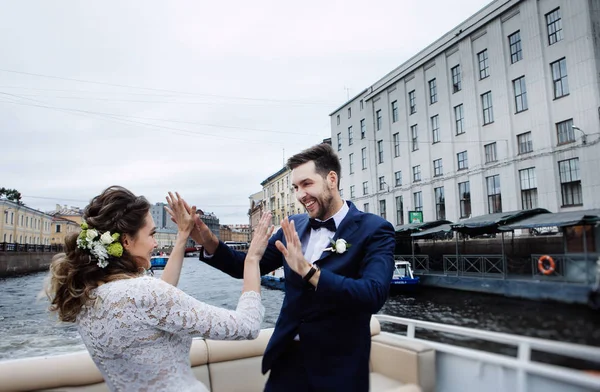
(418,263)
(16,247)
(522,364)
(570,267)
(475,265)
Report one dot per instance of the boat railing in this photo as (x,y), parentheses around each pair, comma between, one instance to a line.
(522,363)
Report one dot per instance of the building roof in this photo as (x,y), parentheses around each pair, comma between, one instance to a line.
(491,223)
(272,176)
(559,219)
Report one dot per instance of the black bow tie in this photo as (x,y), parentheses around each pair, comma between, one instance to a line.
(329,224)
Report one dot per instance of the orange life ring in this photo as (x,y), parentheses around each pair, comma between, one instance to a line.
(542,266)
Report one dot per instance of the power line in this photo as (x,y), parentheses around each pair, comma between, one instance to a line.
(173,130)
(159,89)
(162,119)
(87,201)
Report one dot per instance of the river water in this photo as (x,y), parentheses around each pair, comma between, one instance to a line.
(27,329)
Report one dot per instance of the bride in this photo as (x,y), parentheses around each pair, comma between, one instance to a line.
(138,329)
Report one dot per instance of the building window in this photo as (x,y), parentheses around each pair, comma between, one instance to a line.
(520,94)
(366,207)
(416,173)
(525,143)
(570,182)
(378,120)
(435,129)
(365,188)
(382,209)
(363,153)
(494,196)
(380,151)
(464,194)
(565,131)
(459,119)
(463,160)
(349,112)
(529,197)
(412,102)
(440,203)
(339,140)
(362,104)
(438,170)
(350,136)
(399,210)
(484,69)
(58,228)
(432,91)
(398,177)
(382,183)
(516,52)
(351,163)
(394,111)
(490,152)
(352,191)
(559,78)
(554,24)
(338,119)
(415,137)
(456,79)
(396,137)
(363,129)
(486,104)
(418,201)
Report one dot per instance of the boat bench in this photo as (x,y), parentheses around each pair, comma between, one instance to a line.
(396,365)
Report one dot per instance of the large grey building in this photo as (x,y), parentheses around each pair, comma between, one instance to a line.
(500,114)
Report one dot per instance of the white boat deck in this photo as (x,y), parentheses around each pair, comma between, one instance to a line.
(460,369)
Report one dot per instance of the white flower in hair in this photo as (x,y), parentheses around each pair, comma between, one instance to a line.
(99,251)
(91,234)
(106,238)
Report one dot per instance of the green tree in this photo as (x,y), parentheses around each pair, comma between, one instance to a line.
(12,195)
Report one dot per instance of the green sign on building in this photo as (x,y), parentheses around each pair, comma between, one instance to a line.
(415,216)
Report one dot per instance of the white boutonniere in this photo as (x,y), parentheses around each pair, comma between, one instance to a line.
(339,246)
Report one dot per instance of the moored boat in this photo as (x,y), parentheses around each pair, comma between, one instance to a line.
(403,278)
(158,262)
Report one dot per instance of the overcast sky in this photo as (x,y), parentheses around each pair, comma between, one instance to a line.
(203,98)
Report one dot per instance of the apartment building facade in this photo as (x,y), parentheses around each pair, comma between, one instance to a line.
(500,114)
(24,225)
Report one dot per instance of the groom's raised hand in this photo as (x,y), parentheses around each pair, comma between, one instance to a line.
(293,251)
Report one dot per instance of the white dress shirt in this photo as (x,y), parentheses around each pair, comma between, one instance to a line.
(317,240)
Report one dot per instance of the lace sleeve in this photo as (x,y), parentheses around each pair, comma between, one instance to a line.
(172,310)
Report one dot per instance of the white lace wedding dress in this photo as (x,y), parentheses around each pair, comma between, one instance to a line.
(139,332)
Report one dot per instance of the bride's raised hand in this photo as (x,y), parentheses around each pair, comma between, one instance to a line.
(260,238)
(184,217)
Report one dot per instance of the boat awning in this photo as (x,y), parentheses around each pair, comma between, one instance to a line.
(407,230)
(491,223)
(559,219)
(433,231)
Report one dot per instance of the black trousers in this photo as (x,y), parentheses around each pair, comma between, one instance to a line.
(288,373)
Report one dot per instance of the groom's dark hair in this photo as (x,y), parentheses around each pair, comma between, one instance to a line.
(324,157)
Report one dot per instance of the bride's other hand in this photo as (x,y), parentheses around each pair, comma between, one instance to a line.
(260,238)
(184,217)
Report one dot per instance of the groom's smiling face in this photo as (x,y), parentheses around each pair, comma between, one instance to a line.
(313,191)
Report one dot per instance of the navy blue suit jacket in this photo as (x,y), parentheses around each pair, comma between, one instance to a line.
(333,319)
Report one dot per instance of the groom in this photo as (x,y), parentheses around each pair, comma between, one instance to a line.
(322,339)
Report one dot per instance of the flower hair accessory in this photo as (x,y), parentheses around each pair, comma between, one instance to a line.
(339,246)
(100,246)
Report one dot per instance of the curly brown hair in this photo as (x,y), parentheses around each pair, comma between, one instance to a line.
(75,273)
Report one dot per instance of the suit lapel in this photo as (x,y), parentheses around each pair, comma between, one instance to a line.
(346,229)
